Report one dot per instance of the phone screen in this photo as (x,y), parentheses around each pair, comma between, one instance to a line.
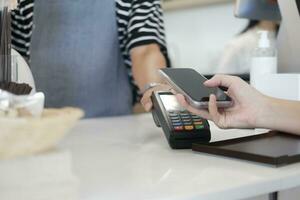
(191,82)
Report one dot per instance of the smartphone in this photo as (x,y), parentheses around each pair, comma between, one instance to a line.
(189,82)
(258,10)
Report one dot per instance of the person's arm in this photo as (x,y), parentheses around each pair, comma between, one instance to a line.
(250,109)
(146,61)
(281,115)
(141,29)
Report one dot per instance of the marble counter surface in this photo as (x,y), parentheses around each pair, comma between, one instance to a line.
(129,158)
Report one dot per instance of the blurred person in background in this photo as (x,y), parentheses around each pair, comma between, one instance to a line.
(236,58)
(237,54)
(99,56)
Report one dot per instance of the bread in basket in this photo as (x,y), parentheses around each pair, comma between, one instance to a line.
(27,136)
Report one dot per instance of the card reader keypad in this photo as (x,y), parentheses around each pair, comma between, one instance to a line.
(185,121)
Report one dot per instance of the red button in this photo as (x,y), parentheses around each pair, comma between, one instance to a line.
(178,128)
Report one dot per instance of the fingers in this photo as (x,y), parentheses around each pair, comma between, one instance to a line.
(213,109)
(181,99)
(146,99)
(220,80)
(212,113)
(185,104)
(173,91)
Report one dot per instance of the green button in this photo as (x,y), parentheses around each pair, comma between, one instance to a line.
(199,126)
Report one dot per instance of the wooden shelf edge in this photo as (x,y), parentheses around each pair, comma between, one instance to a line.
(182,4)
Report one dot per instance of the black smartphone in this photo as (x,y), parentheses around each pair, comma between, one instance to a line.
(189,82)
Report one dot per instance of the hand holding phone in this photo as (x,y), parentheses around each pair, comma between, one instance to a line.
(249,109)
(190,83)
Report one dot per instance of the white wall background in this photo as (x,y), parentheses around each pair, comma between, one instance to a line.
(196,36)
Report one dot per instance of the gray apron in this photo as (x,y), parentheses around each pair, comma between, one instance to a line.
(76,59)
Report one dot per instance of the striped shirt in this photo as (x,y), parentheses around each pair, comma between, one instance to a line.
(22,25)
(140,22)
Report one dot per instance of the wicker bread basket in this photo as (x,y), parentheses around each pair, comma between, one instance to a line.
(27,136)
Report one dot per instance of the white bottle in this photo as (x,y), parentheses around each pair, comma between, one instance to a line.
(264,60)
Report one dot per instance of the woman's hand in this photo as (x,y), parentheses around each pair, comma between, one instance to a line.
(146,99)
(249,105)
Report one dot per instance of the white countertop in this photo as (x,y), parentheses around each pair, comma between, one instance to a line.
(129,158)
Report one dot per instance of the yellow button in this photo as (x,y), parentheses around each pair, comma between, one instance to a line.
(189,128)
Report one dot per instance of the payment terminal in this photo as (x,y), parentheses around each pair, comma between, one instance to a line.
(180,127)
